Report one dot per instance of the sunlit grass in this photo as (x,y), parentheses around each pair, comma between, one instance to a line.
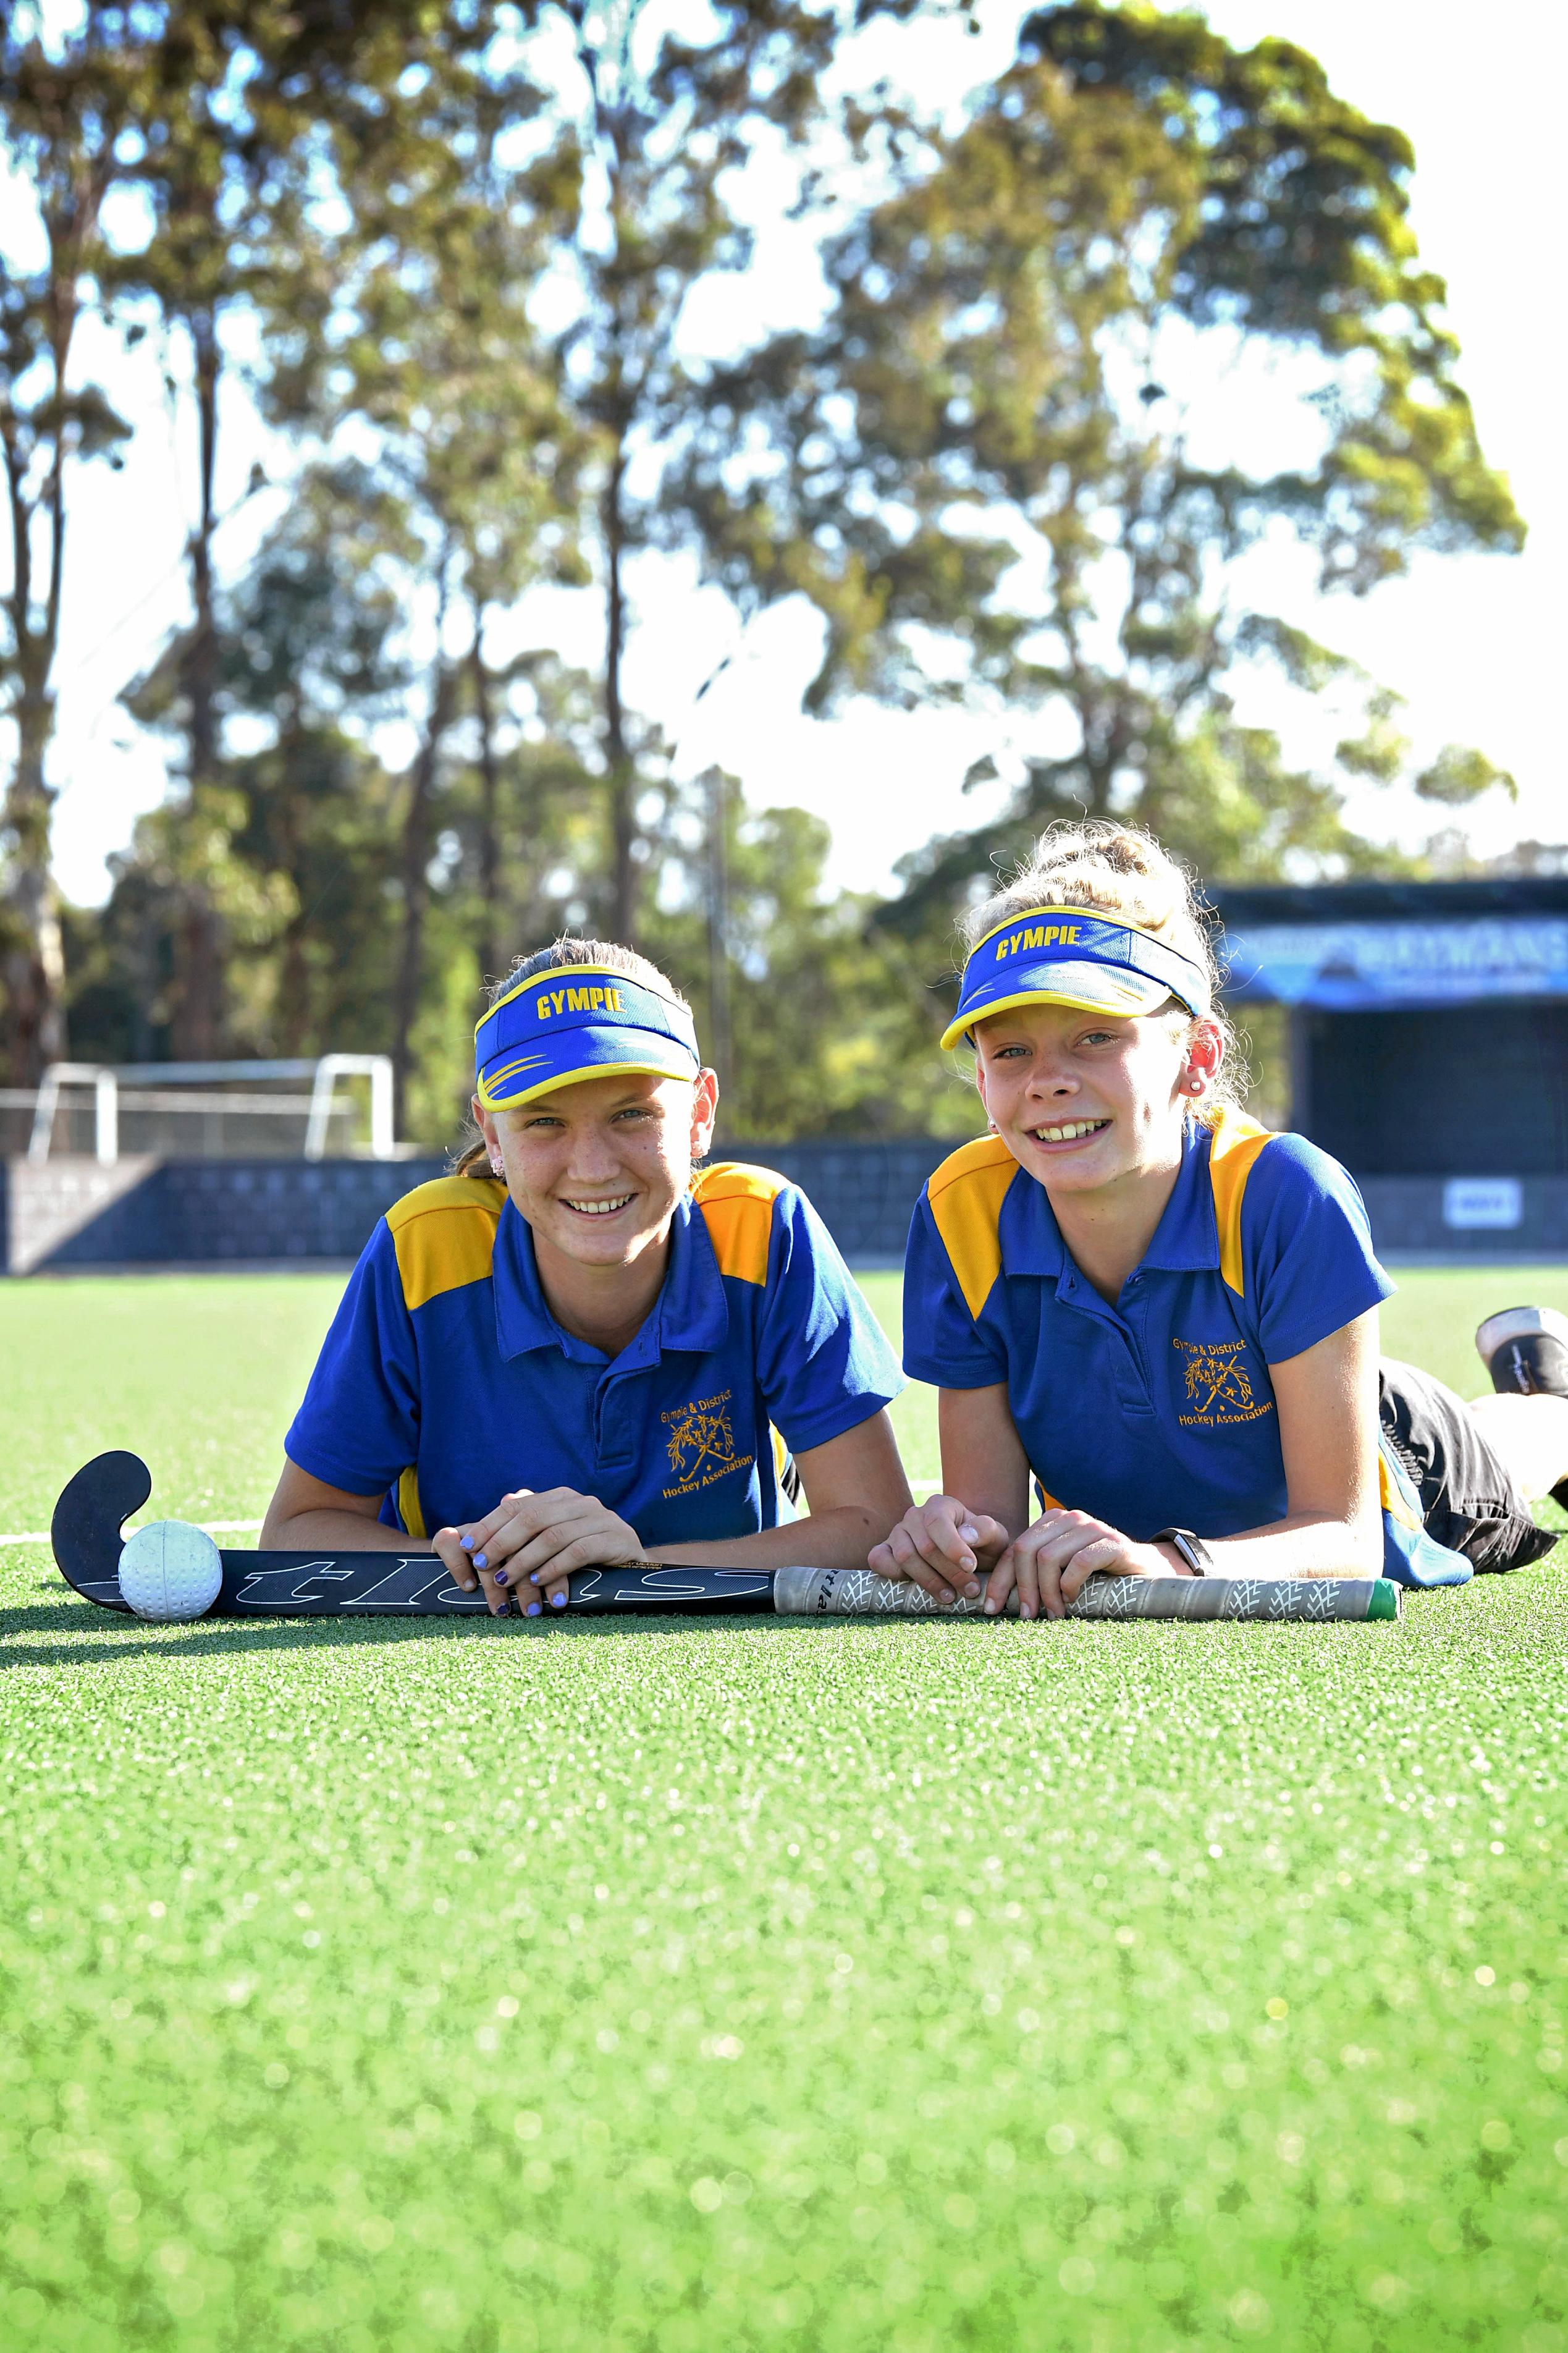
(754,1985)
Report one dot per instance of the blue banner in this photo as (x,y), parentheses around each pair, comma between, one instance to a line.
(1372,968)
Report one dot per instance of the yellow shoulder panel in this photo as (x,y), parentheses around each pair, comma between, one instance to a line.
(737,1206)
(408,1503)
(966,1195)
(445,1234)
(1236,1143)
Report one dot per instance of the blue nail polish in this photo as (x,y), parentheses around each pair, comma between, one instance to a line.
(479,1561)
(467,1543)
(500,1577)
(558,1602)
(535,1607)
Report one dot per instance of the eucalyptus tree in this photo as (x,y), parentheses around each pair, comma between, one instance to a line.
(412,322)
(1004,499)
(652,116)
(256,118)
(63,106)
(291,846)
(507,318)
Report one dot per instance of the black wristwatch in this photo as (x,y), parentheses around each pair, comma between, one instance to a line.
(1193,1550)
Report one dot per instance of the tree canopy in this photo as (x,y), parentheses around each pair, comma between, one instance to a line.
(462,242)
(976,467)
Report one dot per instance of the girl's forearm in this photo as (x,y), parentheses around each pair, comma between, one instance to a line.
(1304,1543)
(839,1537)
(326,1531)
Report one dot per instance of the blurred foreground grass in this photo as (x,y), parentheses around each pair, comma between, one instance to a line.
(757,1985)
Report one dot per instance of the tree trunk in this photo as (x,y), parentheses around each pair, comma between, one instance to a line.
(34,951)
(34,954)
(622,780)
(201,659)
(294,992)
(294,978)
(490,948)
(718,1040)
(199,1010)
(408,980)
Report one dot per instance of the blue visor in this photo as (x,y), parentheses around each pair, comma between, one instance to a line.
(579,1022)
(1065,955)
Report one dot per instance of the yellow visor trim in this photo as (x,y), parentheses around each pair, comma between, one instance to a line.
(1130,1004)
(515,1069)
(578,1078)
(573,972)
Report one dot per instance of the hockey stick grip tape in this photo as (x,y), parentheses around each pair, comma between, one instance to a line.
(857,1593)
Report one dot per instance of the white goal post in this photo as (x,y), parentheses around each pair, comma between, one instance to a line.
(154,1085)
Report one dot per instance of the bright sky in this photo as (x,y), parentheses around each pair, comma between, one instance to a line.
(1472,643)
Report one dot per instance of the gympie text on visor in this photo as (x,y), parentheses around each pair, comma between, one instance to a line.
(578,1022)
(1065,955)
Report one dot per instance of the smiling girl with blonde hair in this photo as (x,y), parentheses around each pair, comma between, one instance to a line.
(1163,1316)
(579,1348)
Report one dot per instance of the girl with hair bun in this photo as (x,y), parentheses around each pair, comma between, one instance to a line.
(584,1345)
(1162,1316)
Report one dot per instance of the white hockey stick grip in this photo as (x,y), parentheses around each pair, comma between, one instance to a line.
(857,1593)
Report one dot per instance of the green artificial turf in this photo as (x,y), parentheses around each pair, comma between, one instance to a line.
(817,1986)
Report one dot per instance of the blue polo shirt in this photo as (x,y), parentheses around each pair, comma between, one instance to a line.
(445,1382)
(1157,1411)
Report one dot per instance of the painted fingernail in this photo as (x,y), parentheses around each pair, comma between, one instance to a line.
(500,1577)
(558,1602)
(479,1561)
(467,1543)
(535,1609)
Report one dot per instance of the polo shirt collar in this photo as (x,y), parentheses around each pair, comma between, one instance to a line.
(1185,1240)
(690,1312)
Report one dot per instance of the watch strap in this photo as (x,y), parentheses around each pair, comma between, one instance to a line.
(1193,1550)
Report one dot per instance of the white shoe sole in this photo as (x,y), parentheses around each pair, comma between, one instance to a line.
(1518,1323)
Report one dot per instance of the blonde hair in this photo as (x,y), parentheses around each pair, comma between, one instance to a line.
(564,954)
(1124,872)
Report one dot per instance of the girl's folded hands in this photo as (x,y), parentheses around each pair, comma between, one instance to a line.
(529,1545)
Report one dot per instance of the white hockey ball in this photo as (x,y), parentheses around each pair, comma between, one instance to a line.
(170,1571)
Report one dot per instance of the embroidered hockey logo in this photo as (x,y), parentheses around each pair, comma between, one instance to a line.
(700,1443)
(1217,1385)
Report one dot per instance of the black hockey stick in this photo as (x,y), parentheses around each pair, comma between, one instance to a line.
(85,1535)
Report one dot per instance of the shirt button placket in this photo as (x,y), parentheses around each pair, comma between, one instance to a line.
(1136,1397)
(611,1425)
